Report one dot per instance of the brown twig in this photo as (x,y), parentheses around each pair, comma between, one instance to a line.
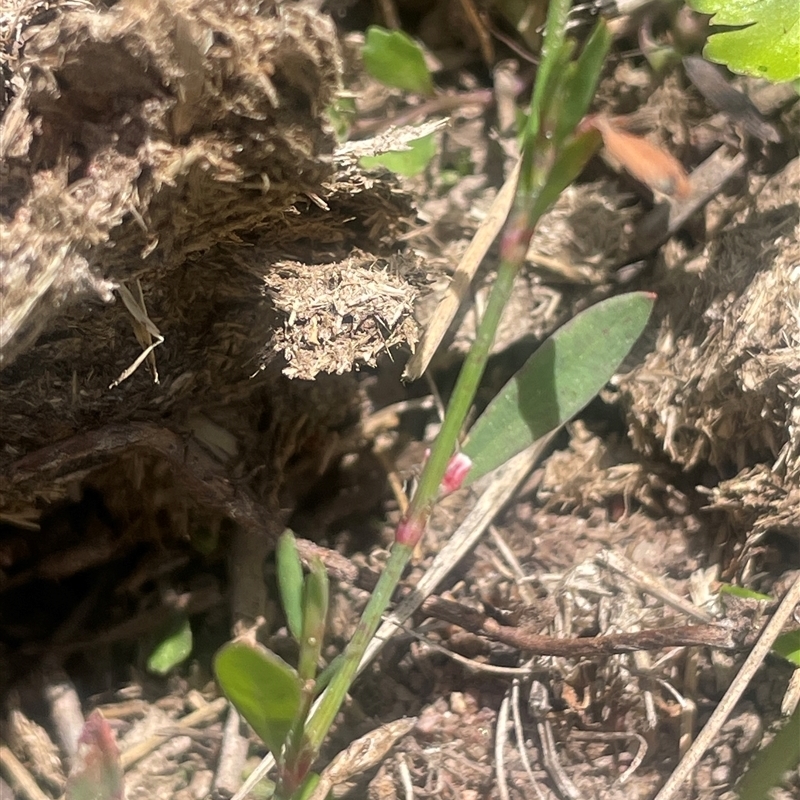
(717,719)
(441,104)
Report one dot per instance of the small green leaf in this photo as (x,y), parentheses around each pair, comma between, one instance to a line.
(204,539)
(172,649)
(307,789)
(315,613)
(581,82)
(408,162)
(741,591)
(558,380)
(556,54)
(395,59)
(290,582)
(264,689)
(571,160)
(788,646)
(765,40)
(341,113)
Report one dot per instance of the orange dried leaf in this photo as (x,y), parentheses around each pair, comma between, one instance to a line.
(647,162)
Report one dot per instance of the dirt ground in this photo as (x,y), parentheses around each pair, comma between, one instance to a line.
(208,304)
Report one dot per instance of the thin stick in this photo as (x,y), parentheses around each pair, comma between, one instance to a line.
(717,719)
(471,664)
(19,776)
(499,746)
(207,713)
(520,734)
(462,277)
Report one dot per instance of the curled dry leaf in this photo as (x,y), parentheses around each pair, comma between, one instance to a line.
(647,162)
(361,755)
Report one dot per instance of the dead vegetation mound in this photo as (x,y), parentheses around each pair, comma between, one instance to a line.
(171,155)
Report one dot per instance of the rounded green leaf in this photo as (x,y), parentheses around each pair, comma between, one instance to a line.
(764,41)
(290,582)
(263,688)
(395,59)
(172,649)
(558,380)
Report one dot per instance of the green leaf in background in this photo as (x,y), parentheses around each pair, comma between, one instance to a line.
(558,380)
(264,689)
(290,582)
(770,764)
(788,646)
(96,772)
(408,162)
(395,59)
(741,591)
(173,649)
(765,41)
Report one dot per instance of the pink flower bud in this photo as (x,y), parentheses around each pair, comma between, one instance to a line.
(409,531)
(455,473)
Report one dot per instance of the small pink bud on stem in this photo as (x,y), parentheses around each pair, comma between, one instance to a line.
(409,531)
(456,471)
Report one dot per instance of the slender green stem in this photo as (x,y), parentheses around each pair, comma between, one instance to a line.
(467,384)
(322,719)
(464,393)
(514,247)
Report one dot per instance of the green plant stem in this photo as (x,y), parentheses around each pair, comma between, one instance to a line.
(322,719)
(463,394)
(428,486)
(516,239)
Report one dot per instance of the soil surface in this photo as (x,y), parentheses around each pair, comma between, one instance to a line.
(208,305)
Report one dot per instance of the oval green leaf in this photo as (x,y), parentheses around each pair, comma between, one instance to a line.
(172,650)
(263,688)
(558,380)
(290,582)
(395,59)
